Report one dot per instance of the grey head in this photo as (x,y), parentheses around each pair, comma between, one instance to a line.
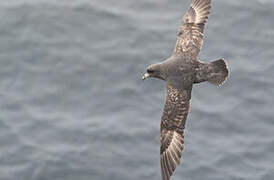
(155,71)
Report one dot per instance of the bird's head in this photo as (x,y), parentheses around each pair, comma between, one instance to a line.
(155,71)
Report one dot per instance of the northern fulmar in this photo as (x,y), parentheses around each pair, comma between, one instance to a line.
(181,71)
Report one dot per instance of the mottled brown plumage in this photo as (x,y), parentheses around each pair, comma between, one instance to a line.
(190,35)
(172,129)
(180,72)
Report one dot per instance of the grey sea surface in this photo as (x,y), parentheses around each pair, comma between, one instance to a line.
(73,106)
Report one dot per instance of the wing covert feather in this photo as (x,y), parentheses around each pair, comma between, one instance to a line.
(172,129)
(190,35)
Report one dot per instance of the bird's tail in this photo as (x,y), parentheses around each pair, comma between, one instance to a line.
(214,72)
(219,72)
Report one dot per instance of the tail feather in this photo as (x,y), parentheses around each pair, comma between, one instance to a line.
(219,72)
(214,72)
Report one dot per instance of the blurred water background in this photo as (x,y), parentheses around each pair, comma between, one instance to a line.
(73,106)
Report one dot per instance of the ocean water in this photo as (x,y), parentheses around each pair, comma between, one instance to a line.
(73,106)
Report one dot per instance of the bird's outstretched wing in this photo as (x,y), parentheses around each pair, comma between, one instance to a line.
(172,129)
(190,35)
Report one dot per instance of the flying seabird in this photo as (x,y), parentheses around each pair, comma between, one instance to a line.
(181,71)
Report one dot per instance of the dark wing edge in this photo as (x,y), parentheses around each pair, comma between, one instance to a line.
(190,35)
(171,156)
(172,130)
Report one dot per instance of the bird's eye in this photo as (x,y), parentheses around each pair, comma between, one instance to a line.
(150,71)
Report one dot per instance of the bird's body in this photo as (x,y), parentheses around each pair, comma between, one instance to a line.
(181,71)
